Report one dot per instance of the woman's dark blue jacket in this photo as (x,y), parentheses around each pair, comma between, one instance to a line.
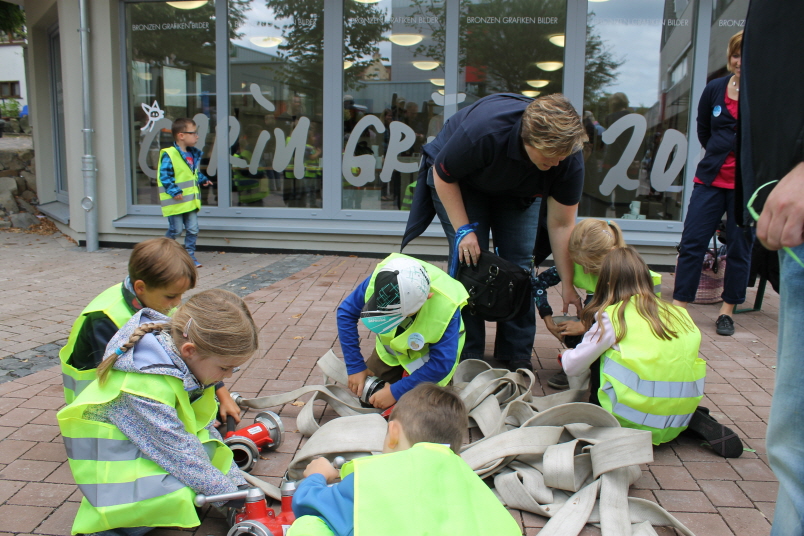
(717,134)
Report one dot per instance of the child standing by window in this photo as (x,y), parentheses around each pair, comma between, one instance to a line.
(139,439)
(651,377)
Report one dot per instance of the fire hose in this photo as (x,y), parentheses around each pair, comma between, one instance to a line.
(553,456)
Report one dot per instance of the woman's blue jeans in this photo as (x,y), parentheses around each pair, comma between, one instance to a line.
(785,431)
(514,230)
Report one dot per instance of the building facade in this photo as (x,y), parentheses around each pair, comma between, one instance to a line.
(312,113)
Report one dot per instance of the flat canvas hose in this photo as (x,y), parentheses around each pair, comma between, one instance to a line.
(553,456)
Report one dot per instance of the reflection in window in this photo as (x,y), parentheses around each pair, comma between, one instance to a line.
(728,18)
(636,112)
(393,72)
(511,46)
(171,73)
(276,98)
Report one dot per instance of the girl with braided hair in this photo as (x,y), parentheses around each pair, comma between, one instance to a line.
(140,439)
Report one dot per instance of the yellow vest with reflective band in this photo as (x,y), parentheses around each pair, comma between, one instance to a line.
(430,322)
(652,384)
(426,489)
(186,179)
(249,189)
(407,200)
(113,305)
(122,487)
(588,282)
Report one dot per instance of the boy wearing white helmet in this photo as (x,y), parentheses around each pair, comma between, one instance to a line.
(415,310)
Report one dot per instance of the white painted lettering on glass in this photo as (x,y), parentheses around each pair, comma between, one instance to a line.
(618,174)
(364,161)
(660,178)
(295,144)
(674,143)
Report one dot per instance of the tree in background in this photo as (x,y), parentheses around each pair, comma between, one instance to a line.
(12,22)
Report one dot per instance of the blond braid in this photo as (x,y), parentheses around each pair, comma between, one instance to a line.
(142,330)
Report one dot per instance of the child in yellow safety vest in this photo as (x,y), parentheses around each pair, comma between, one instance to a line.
(159,272)
(139,439)
(419,485)
(651,377)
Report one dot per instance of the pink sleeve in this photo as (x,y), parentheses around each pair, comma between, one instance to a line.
(578,359)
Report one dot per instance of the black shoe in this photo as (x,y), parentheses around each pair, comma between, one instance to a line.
(725,325)
(559,380)
(521,363)
(723,440)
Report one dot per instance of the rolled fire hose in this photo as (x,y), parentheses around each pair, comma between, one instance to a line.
(552,456)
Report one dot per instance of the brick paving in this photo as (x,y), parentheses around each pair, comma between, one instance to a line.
(46,281)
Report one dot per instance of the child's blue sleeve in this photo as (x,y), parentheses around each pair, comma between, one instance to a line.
(541,283)
(167,176)
(347,319)
(442,359)
(334,504)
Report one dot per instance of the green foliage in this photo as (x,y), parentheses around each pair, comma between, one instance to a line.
(12,20)
(303,49)
(601,65)
(9,108)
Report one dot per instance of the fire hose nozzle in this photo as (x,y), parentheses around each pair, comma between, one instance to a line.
(250,494)
(237,397)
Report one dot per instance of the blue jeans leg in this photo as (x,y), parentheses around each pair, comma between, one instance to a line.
(191,226)
(174,226)
(785,434)
(514,230)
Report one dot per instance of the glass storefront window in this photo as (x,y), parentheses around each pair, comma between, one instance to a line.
(636,108)
(393,72)
(511,46)
(171,71)
(728,18)
(276,60)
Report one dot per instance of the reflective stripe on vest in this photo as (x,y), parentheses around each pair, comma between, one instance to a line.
(142,489)
(186,179)
(75,386)
(652,388)
(659,422)
(111,303)
(430,322)
(101,449)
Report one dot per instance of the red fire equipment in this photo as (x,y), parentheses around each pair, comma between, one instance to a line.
(246,443)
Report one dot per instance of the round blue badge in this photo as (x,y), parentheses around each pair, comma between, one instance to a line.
(716,111)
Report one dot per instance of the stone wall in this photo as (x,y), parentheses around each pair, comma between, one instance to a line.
(18,197)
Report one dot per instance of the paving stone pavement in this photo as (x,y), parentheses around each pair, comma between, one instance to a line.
(296,318)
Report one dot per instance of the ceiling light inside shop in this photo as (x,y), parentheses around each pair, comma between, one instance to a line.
(557,40)
(145,76)
(172,91)
(531,93)
(440,91)
(372,1)
(598,0)
(191,4)
(425,65)
(549,65)
(405,40)
(347,64)
(266,42)
(537,83)
(437,81)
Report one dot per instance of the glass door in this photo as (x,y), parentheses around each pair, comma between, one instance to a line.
(57,105)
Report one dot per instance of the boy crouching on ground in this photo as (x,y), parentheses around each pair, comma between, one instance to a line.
(419,485)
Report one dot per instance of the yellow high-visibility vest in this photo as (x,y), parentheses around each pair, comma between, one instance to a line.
(186,179)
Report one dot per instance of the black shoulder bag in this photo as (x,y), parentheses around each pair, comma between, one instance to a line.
(499,290)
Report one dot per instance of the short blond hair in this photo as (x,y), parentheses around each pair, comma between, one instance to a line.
(735,47)
(429,413)
(551,125)
(591,240)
